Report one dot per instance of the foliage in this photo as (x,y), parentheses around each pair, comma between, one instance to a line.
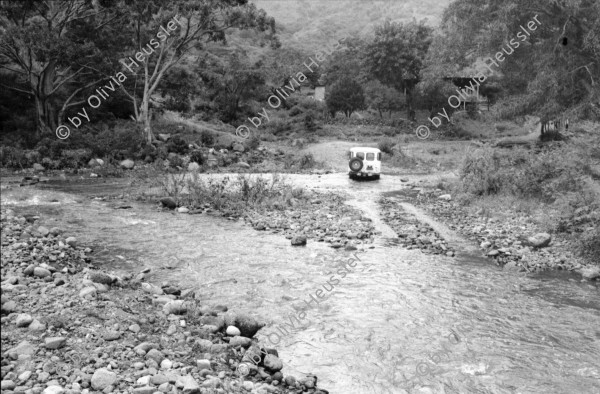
(395,56)
(383,98)
(207,138)
(253,142)
(75,158)
(196,157)
(231,82)
(345,95)
(309,121)
(233,196)
(386,145)
(551,77)
(177,144)
(57,47)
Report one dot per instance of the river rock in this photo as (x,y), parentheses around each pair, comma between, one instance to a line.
(9,307)
(71,241)
(176,307)
(155,355)
(54,389)
(144,390)
(55,342)
(445,197)
(242,164)
(23,320)
(111,335)
(88,292)
(152,289)
(7,385)
(590,273)
(102,378)
(40,272)
(100,277)
(232,331)
(540,240)
(188,384)
(23,348)
(203,364)
(38,167)
(43,231)
(240,341)
(183,210)
(127,164)
(247,324)
(238,147)
(37,326)
(299,240)
(273,363)
(164,137)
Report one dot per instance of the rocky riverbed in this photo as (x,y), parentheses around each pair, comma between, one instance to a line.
(320,217)
(412,233)
(68,327)
(515,242)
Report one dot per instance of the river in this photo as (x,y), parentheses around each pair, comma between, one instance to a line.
(401,321)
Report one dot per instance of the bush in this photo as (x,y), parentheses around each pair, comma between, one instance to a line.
(309,121)
(207,138)
(295,111)
(480,172)
(75,158)
(177,145)
(13,157)
(176,161)
(119,140)
(278,126)
(196,157)
(386,145)
(253,142)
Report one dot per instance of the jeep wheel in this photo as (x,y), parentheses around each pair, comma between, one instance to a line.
(355,164)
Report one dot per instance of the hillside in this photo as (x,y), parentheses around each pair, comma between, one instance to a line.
(307,24)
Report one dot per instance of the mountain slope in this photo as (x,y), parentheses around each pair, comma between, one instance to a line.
(310,24)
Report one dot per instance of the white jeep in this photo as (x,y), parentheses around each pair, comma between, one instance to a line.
(364,162)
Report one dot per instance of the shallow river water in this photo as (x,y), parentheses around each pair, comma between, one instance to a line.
(400,321)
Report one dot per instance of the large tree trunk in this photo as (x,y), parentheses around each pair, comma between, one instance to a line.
(42,88)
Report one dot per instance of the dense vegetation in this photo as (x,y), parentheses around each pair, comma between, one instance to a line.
(227,57)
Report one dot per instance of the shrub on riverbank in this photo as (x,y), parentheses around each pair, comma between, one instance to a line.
(559,184)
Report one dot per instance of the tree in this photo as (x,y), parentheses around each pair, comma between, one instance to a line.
(396,54)
(199,22)
(231,81)
(347,62)
(345,95)
(383,98)
(549,76)
(51,45)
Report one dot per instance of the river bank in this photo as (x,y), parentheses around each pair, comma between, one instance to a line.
(69,326)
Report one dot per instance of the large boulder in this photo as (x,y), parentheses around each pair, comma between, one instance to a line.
(127,164)
(590,273)
(193,167)
(96,163)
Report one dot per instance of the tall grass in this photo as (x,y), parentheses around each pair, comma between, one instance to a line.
(233,195)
